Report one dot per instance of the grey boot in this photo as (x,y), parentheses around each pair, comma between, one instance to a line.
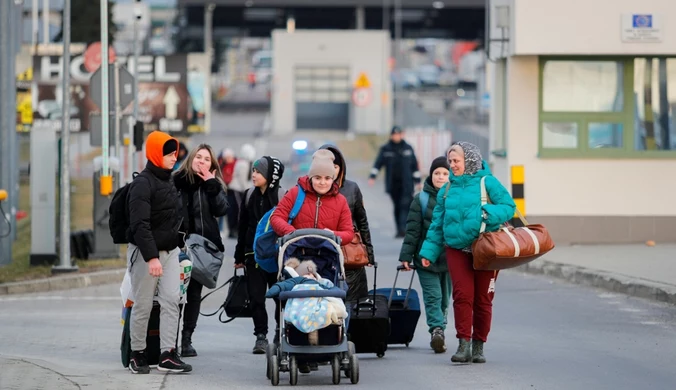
(464,352)
(438,340)
(478,351)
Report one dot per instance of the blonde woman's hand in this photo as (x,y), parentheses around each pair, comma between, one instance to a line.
(205,174)
(426,263)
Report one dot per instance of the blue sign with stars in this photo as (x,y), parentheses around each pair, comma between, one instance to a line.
(642,21)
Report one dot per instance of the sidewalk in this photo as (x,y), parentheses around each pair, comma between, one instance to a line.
(21,374)
(636,270)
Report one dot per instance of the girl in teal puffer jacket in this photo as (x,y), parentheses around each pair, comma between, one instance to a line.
(456,223)
(434,280)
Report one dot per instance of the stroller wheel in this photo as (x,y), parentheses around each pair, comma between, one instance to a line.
(354,369)
(269,352)
(335,366)
(293,371)
(274,365)
(351,349)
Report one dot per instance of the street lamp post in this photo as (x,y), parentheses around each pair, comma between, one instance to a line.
(64,241)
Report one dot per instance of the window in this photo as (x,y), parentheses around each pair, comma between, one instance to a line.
(576,86)
(322,84)
(608,107)
(655,91)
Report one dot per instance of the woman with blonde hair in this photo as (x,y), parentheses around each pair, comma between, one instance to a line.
(204,199)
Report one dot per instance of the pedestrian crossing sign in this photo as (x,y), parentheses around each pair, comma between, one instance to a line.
(362,81)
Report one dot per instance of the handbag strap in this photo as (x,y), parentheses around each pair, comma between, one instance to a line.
(485,199)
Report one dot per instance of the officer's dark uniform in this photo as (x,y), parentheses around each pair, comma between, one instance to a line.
(401,174)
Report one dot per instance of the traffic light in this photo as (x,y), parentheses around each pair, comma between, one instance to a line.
(138,136)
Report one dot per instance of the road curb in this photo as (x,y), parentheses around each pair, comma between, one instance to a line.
(65,282)
(619,283)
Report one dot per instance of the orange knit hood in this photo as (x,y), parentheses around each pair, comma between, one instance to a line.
(155,144)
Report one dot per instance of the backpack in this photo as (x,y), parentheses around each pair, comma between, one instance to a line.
(118,211)
(266,244)
(424,198)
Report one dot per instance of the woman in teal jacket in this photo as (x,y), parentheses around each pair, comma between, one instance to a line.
(456,223)
(434,280)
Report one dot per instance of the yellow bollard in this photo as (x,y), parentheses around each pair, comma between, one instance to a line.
(106,185)
(3,195)
(518,192)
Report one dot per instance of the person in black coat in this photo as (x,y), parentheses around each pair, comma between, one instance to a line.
(153,251)
(356,278)
(401,175)
(266,175)
(204,199)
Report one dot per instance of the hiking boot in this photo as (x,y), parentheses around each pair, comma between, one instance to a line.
(464,352)
(478,351)
(138,364)
(187,349)
(261,344)
(170,362)
(438,340)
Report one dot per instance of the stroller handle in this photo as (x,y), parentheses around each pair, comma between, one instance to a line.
(286,295)
(306,232)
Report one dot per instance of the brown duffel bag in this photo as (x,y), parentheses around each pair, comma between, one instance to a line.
(509,247)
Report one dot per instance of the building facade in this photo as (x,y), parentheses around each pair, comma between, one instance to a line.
(582,116)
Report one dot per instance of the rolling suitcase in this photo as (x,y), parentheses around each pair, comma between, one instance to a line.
(369,322)
(152,339)
(404,310)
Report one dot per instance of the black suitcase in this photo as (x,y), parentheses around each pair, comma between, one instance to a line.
(152,339)
(404,306)
(369,322)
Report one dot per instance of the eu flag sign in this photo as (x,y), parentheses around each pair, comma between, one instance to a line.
(642,21)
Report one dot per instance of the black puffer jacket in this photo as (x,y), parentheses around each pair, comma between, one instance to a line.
(203,202)
(154,208)
(254,206)
(355,201)
(249,214)
(401,167)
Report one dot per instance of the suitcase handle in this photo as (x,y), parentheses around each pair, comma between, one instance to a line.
(375,284)
(408,291)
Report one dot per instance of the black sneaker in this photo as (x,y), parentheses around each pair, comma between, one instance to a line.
(261,344)
(138,364)
(169,362)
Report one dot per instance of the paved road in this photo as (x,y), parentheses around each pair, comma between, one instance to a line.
(547,335)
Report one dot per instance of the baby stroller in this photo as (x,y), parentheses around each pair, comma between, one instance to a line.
(293,347)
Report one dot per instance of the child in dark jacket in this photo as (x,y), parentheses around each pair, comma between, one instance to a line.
(434,280)
(266,176)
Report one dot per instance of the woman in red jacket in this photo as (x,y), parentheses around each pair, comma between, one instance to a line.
(324,207)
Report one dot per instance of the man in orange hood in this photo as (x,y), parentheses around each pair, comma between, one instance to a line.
(154,209)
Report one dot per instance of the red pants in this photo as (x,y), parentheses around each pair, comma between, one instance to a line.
(472,300)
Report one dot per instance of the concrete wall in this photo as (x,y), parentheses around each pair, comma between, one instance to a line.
(587,26)
(360,51)
(579,200)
